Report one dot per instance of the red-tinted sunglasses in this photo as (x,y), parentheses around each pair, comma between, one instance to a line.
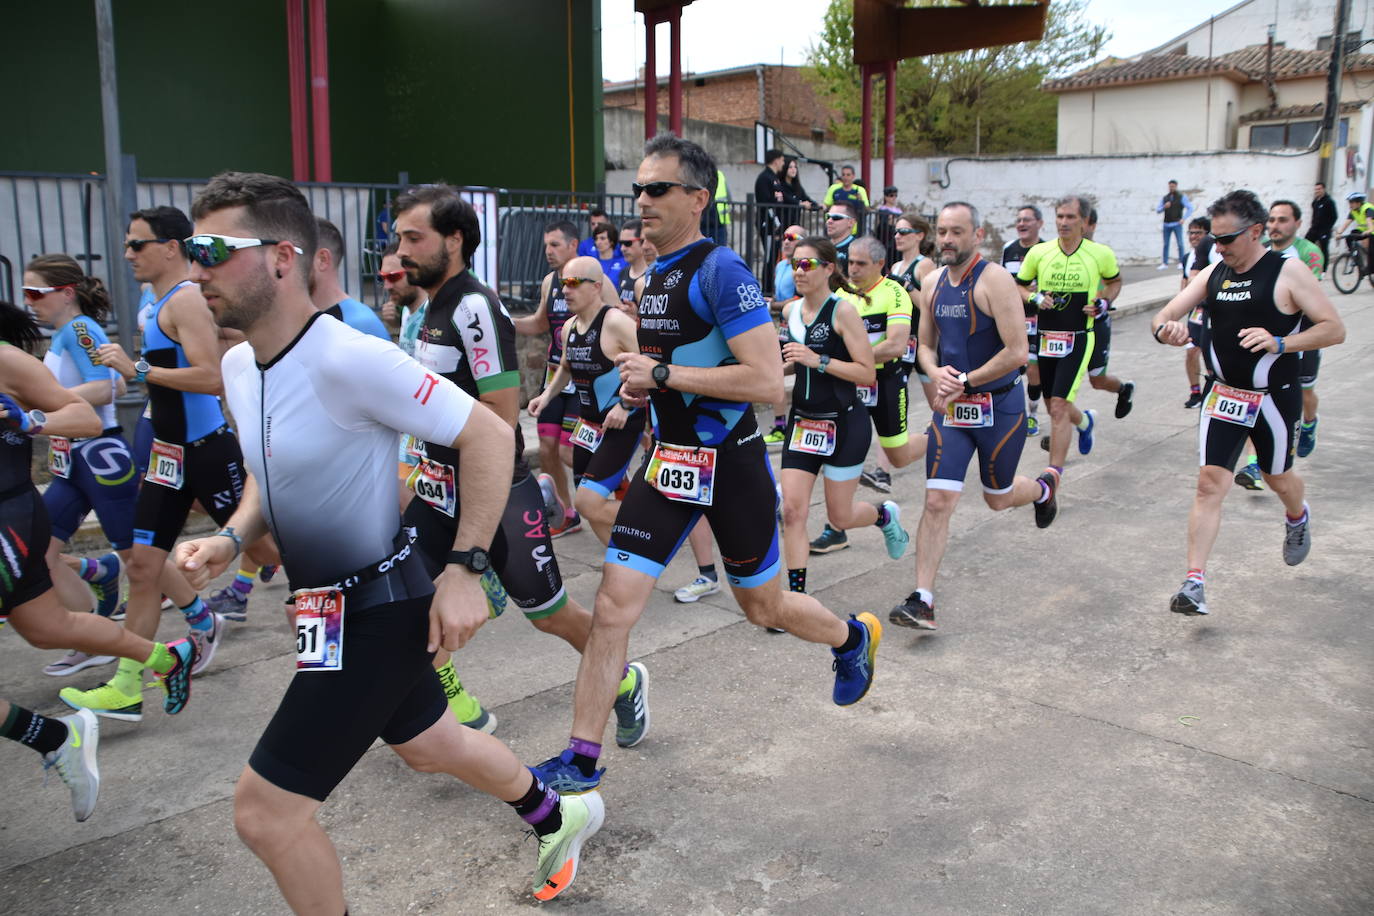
(34,293)
(391,276)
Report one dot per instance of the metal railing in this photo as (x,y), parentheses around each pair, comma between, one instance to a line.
(47,212)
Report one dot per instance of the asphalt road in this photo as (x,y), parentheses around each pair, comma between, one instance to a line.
(1062,744)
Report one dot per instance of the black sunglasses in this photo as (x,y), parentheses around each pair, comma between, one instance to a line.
(1230,237)
(136,245)
(834,216)
(659,188)
(626,243)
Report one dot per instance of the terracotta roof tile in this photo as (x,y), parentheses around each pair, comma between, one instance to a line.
(1296,111)
(1245,65)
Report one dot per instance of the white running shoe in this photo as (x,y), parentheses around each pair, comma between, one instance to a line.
(697,589)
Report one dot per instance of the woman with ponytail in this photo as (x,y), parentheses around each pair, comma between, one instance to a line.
(828,431)
(93,473)
(32,403)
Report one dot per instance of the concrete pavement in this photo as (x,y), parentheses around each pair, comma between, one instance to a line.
(1038,753)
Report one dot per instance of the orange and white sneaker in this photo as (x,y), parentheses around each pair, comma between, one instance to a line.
(571,522)
(560,851)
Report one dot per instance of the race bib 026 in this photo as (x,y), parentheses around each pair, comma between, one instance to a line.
(587,435)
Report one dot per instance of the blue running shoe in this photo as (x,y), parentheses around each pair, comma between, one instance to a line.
(894,535)
(176,683)
(1307,437)
(106,587)
(1249,477)
(1032,426)
(854,669)
(1085,436)
(267,572)
(562,775)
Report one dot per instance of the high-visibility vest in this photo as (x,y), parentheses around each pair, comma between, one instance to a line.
(722,195)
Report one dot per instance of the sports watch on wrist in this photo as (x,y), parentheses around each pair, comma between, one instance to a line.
(476,560)
(660,376)
(824,363)
(962,379)
(37,420)
(141,370)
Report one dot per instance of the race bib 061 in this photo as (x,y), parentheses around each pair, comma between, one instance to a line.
(60,456)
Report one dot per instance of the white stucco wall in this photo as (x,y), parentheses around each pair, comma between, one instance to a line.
(1166,116)
(1298,24)
(1124,189)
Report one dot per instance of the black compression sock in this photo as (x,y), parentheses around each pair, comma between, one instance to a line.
(855,638)
(796,580)
(539,808)
(39,732)
(1033,392)
(709,571)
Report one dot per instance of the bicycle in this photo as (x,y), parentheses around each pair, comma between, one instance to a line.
(1351,266)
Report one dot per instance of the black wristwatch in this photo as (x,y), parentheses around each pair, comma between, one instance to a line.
(660,375)
(963,380)
(477,560)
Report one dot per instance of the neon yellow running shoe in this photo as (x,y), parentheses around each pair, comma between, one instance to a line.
(105,701)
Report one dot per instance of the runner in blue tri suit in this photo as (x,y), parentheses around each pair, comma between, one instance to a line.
(194,455)
(707,350)
(328,293)
(95,473)
(972,345)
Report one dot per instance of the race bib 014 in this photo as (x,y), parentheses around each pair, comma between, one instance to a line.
(1056,344)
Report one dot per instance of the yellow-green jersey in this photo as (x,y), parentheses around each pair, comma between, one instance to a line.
(1069,281)
(887,302)
(1361,215)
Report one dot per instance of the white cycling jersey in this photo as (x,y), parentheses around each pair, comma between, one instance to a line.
(318,428)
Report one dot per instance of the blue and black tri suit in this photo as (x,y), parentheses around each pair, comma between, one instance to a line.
(95,473)
(968,340)
(695,300)
(194,455)
(601,456)
(358,317)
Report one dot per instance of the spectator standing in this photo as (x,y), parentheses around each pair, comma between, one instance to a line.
(769,196)
(587,247)
(793,194)
(1176,208)
(606,243)
(1323,221)
(849,191)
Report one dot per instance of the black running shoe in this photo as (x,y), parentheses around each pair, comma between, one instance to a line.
(1046,511)
(1194,399)
(913,613)
(1123,399)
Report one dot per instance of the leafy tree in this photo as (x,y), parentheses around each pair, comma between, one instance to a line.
(987,100)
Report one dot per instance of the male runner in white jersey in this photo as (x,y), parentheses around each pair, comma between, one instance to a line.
(319,405)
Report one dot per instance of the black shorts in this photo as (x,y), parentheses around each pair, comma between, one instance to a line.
(853,433)
(602,471)
(1275,433)
(143,441)
(889,414)
(213,474)
(650,527)
(1102,346)
(24,535)
(327,720)
(949,449)
(557,419)
(521,553)
(1309,364)
(1060,376)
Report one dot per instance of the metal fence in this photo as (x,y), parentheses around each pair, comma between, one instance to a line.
(64,212)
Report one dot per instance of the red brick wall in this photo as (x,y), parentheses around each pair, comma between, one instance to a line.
(789,103)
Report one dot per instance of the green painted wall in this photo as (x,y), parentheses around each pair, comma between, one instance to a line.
(473,92)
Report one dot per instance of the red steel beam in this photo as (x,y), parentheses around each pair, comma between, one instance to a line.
(296,80)
(889,124)
(883,32)
(866,144)
(319,90)
(650,77)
